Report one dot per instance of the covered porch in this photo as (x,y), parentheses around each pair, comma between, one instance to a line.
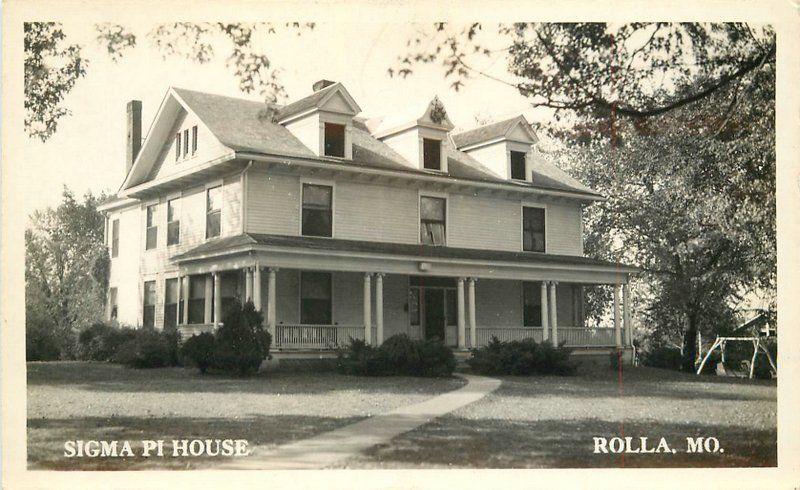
(318,299)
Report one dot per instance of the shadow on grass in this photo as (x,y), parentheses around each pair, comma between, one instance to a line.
(107,377)
(46,438)
(457,442)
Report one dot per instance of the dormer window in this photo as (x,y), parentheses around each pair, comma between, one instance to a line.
(432,154)
(334,140)
(518,165)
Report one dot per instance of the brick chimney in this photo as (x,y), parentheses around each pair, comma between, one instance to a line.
(321,84)
(133,116)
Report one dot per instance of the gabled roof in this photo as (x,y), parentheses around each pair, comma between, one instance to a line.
(490,132)
(243,126)
(413,115)
(315,100)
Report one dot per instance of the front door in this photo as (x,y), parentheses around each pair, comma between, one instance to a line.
(434,314)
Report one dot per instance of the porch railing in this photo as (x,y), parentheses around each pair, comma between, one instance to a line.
(571,336)
(317,336)
(193,329)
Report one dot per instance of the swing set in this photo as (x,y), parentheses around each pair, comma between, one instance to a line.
(750,366)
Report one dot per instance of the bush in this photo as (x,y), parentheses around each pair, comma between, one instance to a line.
(241,344)
(198,351)
(148,348)
(521,357)
(399,355)
(41,344)
(101,342)
(664,357)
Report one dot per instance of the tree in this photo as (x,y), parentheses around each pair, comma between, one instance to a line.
(53,66)
(66,266)
(675,124)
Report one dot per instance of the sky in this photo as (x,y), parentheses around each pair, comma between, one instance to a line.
(87,153)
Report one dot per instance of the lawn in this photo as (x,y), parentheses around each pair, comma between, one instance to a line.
(95,401)
(550,422)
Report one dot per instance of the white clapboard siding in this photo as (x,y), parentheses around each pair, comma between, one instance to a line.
(481,222)
(564,230)
(273,204)
(124,272)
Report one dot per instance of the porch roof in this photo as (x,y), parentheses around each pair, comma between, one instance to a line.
(253,241)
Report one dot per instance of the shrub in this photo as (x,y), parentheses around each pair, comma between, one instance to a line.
(664,357)
(198,351)
(100,342)
(521,357)
(398,355)
(241,343)
(41,344)
(148,348)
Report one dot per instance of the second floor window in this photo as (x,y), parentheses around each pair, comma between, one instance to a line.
(432,226)
(173,221)
(149,307)
(518,165)
(213,211)
(115,238)
(334,140)
(432,154)
(151,240)
(533,231)
(317,210)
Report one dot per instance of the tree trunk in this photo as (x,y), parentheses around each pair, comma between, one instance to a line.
(689,344)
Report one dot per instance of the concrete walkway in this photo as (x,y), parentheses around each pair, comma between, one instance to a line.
(338,445)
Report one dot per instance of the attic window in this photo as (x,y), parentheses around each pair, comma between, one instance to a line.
(518,165)
(432,154)
(334,140)
(177,146)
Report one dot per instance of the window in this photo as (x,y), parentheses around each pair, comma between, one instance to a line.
(533,229)
(197,299)
(172,306)
(334,140)
(152,228)
(432,220)
(112,303)
(213,211)
(532,304)
(317,207)
(115,238)
(149,313)
(518,165)
(178,146)
(173,221)
(194,140)
(315,298)
(185,142)
(432,154)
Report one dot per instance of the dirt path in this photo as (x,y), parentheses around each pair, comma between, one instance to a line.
(336,446)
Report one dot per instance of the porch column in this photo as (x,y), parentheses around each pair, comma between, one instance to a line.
(617,331)
(271,302)
(554,312)
(186,299)
(217,299)
(473,333)
(209,297)
(462,334)
(367,308)
(545,311)
(257,286)
(626,313)
(248,284)
(379,307)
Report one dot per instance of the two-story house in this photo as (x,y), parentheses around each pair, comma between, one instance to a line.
(340,227)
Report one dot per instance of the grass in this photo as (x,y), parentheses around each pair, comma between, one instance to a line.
(550,422)
(96,401)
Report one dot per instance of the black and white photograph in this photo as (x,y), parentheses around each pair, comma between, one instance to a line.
(357,236)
